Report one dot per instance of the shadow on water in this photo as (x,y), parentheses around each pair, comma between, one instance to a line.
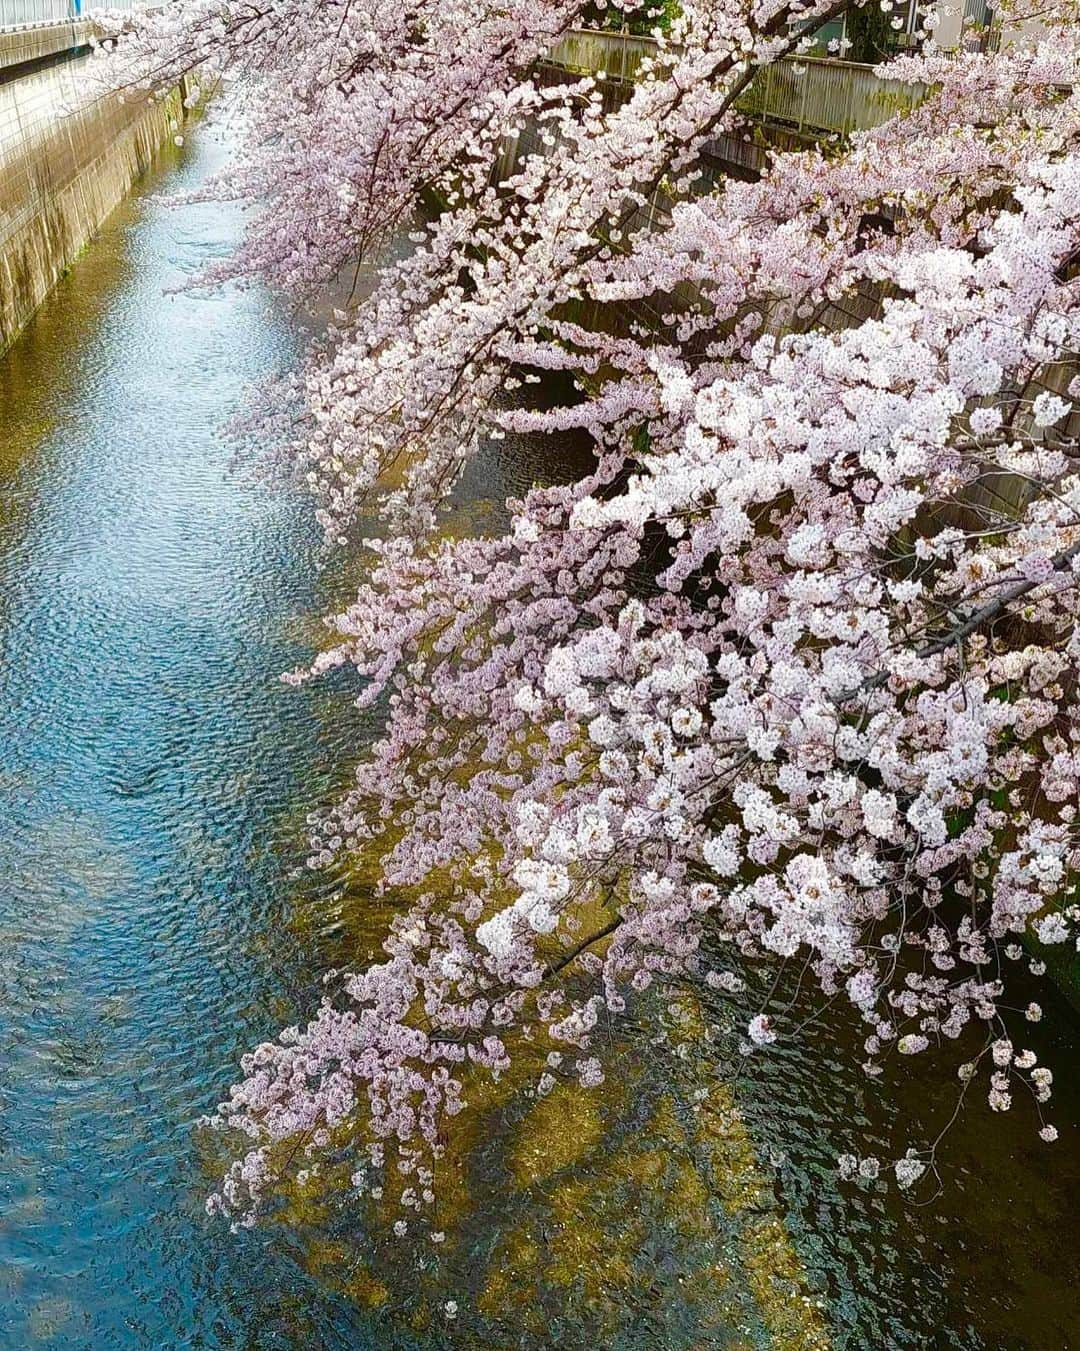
(154,776)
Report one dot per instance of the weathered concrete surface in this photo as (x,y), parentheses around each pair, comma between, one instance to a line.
(19,46)
(68,156)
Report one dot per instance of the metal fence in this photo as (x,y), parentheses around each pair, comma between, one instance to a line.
(810,94)
(617,56)
(32,13)
(822,95)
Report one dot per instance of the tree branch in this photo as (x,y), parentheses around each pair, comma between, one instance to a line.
(976,620)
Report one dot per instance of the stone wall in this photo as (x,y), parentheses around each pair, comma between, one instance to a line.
(68,156)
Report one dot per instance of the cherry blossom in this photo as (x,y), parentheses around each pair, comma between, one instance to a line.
(790,676)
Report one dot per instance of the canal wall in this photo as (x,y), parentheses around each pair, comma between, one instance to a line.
(69,153)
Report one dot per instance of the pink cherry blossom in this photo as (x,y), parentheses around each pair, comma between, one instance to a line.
(790,674)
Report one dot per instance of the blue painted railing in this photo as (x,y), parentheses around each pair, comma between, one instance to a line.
(32,13)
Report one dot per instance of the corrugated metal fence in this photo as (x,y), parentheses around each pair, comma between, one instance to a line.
(818,94)
(809,94)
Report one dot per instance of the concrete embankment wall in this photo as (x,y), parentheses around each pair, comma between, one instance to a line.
(68,156)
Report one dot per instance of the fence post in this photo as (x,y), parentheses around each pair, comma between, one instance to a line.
(849,121)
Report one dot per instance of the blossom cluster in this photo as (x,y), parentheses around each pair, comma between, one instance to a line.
(790,676)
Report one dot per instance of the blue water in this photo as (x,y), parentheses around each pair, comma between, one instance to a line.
(153,779)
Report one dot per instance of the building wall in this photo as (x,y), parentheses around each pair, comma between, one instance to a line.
(68,155)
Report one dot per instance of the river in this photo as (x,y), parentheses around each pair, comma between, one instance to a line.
(154,778)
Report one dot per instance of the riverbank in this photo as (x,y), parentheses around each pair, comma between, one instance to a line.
(69,154)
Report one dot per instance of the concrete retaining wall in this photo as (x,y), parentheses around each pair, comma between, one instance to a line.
(21,46)
(68,156)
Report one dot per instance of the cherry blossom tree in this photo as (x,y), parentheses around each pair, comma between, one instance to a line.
(790,677)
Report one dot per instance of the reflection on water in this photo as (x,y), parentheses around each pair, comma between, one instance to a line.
(154,777)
